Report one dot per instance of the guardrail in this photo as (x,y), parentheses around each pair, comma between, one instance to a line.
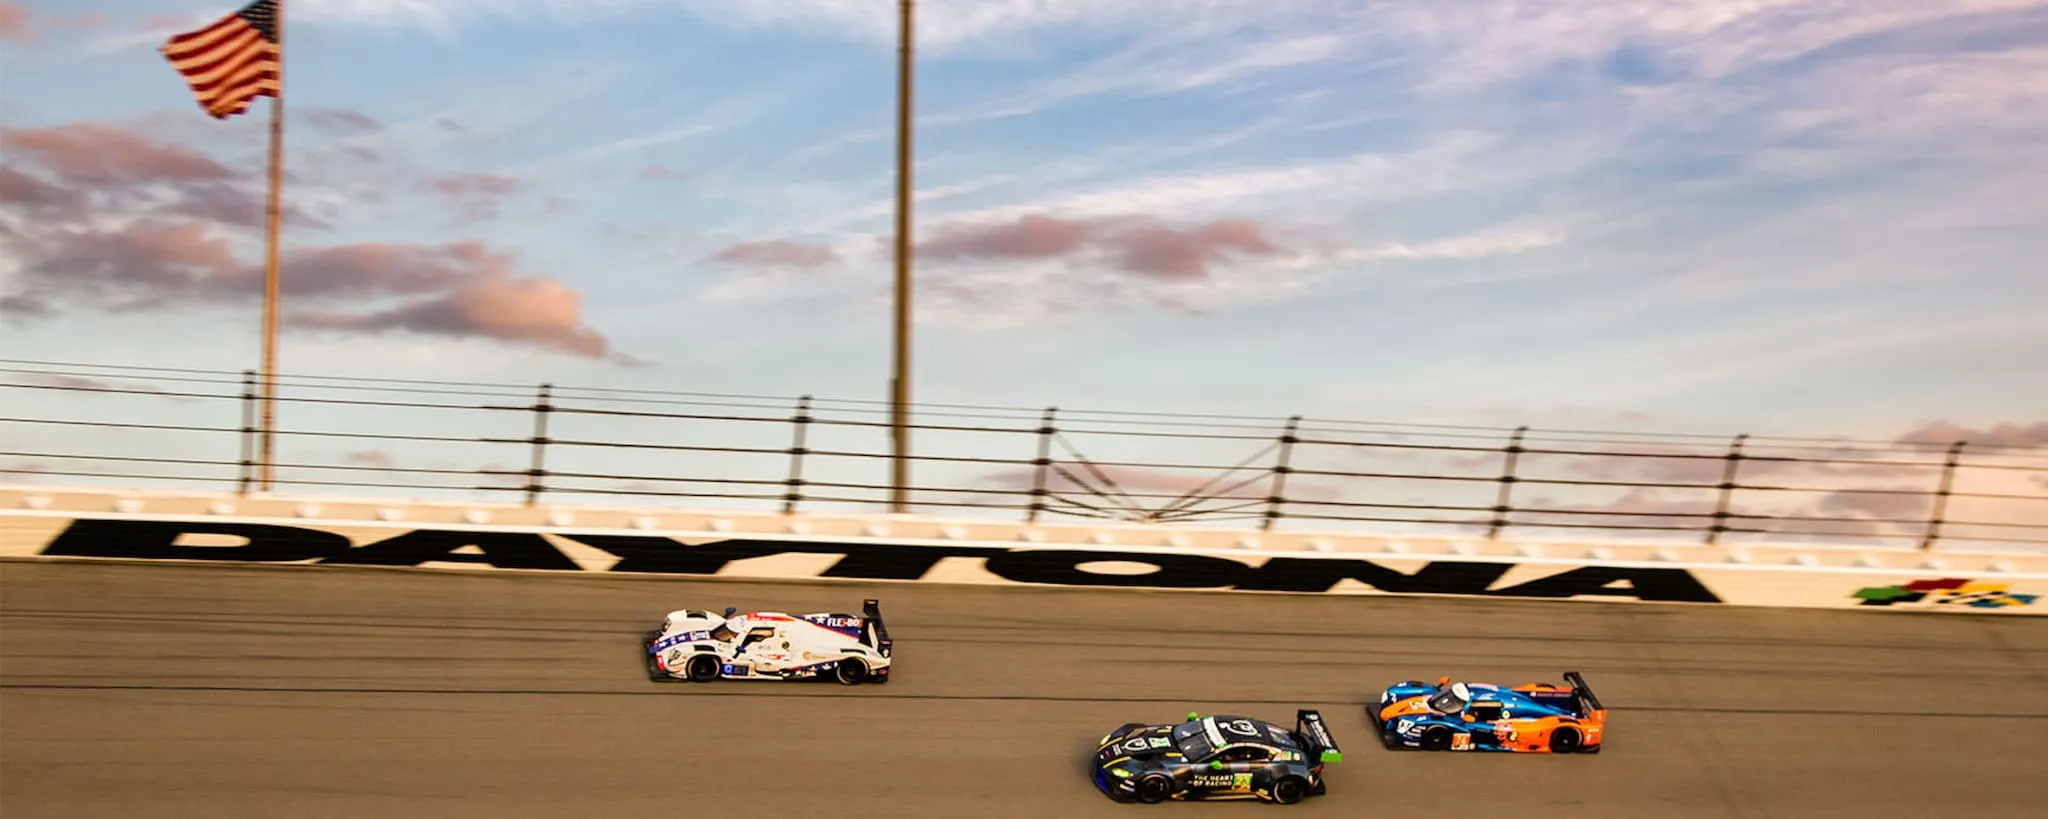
(98,423)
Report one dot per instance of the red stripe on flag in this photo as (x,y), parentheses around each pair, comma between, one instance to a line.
(227,65)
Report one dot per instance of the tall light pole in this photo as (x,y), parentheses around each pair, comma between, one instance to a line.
(899,495)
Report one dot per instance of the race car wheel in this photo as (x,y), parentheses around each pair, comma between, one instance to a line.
(1289,790)
(1564,741)
(850,671)
(1436,738)
(701,668)
(1154,788)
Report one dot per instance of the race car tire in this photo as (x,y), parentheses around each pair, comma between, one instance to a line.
(1436,738)
(1153,788)
(850,671)
(700,668)
(1564,741)
(1289,790)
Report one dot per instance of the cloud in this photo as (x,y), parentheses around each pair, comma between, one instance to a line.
(1477,246)
(14,24)
(457,289)
(777,253)
(340,121)
(376,458)
(540,312)
(114,221)
(73,382)
(21,190)
(1029,237)
(476,197)
(1805,490)
(1453,160)
(2005,435)
(90,169)
(942,27)
(96,154)
(1880,506)
(1649,508)
(1133,244)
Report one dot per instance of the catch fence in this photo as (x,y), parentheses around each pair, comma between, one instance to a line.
(139,426)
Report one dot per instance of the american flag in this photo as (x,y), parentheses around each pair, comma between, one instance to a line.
(232,62)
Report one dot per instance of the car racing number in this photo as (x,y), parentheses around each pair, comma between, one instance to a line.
(1146,743)
(1461,741)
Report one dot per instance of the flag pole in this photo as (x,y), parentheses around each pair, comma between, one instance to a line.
(275,219)
(900,385)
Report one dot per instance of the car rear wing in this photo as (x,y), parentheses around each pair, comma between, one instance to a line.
(1588,703)
(874,632)
(1316,741)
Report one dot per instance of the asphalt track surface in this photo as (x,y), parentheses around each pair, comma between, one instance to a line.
(211,691)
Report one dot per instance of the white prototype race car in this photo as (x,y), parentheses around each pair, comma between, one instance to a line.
(701,646)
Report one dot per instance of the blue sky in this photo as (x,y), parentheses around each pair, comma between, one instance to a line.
(1795,217)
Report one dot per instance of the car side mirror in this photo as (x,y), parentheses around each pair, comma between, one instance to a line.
(1216,765)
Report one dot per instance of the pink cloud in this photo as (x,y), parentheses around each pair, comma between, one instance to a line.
(341,121)
(1137,245)
(540,312)
(777,253)
(14,24)
(94,167)
(96,154)
(161,238)
(1030,237)
(1174,254)
(1998,436)
(477,196)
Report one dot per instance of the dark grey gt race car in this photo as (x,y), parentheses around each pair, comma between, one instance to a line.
(1216,757)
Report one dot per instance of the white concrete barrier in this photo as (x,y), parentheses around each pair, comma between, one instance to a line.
(79,523)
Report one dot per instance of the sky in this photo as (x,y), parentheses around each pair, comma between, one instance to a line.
(1781,217)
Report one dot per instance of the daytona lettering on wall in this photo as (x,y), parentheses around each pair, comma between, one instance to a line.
(638,554)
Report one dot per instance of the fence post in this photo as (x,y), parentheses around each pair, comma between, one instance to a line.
(248,436)
(797,451)
(1948,482)
(1041,465)
(1507,484)
(542,407)
(1280,470)
(1727,490)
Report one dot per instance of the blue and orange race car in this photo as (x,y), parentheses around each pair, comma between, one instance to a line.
(1468,716)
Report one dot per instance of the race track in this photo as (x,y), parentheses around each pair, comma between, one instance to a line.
(215,691)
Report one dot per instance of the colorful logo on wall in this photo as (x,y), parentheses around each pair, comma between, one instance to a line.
(1946,592)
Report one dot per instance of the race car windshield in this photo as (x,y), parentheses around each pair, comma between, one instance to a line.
(1447,702)
(1193,741)
(723,634)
